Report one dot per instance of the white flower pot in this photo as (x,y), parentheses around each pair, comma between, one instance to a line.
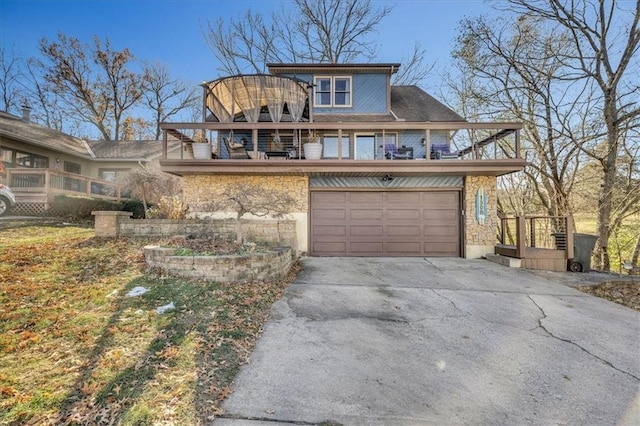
(312,151)
(201,151)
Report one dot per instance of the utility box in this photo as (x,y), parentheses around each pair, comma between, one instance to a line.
(583,245)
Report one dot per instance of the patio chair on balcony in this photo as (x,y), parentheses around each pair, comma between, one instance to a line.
(392,152)
(442,152)
(236,151)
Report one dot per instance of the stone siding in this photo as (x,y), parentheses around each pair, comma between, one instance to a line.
(199,190)
(480,239)
(272,265)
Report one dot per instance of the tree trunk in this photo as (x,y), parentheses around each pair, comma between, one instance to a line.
(239,232)
(636,254)
(609,163)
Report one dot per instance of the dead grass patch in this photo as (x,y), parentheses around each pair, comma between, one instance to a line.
(625,293)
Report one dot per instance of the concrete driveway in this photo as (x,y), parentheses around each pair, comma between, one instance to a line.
(410,341)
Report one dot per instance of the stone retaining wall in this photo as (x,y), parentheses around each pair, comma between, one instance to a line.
(269,266)
(120,224)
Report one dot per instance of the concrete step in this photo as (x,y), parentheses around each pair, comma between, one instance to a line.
(510,262)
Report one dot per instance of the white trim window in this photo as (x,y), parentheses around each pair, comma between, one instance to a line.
(332,91)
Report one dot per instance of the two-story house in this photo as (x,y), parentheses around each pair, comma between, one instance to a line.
(399,173)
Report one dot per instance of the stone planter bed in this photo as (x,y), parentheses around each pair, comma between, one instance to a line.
(273,264)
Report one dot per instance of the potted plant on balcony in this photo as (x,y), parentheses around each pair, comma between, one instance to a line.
(313,148)
(201,150)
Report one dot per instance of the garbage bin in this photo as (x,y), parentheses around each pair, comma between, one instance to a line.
(583,245)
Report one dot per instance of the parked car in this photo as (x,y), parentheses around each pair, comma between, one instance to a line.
(7,199)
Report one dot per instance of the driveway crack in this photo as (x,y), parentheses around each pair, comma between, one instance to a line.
(550,334)
(450,301)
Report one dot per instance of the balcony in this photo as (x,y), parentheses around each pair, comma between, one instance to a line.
(350,148)
(39,186)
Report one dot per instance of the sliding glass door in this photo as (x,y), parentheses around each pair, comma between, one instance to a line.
(365,147)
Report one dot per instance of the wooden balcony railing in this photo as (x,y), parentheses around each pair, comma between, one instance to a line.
(48,182)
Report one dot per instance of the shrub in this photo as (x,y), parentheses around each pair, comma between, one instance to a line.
(134,206)
(80,208)
(168,208)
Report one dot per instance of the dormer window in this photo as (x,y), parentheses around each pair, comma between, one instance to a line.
(332,91)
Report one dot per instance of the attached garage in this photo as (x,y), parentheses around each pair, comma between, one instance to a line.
(385,223)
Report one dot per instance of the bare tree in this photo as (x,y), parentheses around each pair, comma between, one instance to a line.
(604,41)
(135,129)
(414,68)
(329,31)
(510,74)
(151,185)
(569,71)
(165,96)
(42,98)
(94,82)
(10,75)
(314,31)
(255,200)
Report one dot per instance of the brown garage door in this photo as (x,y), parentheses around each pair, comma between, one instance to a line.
(352,223)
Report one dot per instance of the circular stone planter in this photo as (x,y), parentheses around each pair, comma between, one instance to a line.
(271,265)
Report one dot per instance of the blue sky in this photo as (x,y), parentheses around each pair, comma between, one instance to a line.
(170,31)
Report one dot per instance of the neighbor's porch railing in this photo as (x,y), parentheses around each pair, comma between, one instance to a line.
(517,234)
(49,182)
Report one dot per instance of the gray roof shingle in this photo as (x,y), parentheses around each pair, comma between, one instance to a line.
(15,127)
(132,150)
(411,103)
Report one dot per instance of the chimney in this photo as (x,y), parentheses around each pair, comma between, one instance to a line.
(26,113)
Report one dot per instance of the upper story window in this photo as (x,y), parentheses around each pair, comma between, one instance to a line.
(72,167)
(112,175)
(332,91)
(15,158)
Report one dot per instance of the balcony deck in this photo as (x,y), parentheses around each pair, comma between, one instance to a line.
(484,149)
(328,167)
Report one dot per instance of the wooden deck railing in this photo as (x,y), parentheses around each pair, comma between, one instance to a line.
(517,235)
(47,182)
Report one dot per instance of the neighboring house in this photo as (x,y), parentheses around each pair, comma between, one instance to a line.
(400,173)
(40,162)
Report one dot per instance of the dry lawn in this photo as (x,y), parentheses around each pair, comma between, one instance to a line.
(75,350)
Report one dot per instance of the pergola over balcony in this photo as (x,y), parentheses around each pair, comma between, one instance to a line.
(244,97)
